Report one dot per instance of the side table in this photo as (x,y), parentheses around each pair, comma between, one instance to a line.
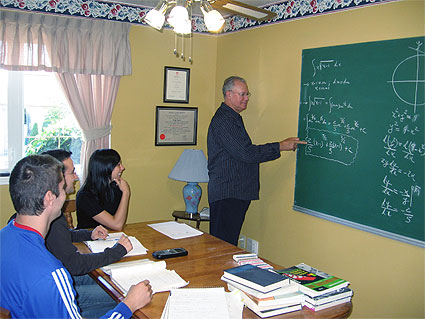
(179,214)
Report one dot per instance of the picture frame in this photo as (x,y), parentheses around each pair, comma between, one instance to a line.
(176,126)
(176,85)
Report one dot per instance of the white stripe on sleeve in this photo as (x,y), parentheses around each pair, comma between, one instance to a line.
(65,290)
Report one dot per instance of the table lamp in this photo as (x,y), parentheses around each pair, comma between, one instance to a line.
(191,167)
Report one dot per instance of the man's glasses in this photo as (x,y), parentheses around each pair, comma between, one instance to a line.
(242,94)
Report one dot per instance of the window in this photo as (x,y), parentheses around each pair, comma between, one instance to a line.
(34,117)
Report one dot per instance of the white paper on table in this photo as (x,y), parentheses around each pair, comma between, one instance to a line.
(196,303)
(98,246)
(176,230)
(234,305)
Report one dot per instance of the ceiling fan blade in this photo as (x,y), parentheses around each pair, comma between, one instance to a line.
(242,9)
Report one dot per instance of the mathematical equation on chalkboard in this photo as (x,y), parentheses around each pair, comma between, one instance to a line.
(401,148)
(329,132)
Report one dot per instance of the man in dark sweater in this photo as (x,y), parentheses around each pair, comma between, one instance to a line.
(92,300)
(233,162)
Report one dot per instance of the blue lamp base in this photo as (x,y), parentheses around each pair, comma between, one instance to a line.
(192,193)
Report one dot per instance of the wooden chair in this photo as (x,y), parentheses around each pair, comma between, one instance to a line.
(67,209)
(4,313)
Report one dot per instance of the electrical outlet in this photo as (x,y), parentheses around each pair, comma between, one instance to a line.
(242,241)
(252,245)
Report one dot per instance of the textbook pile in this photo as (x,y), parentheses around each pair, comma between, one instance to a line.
(320,289)
(263,291)
(270,293)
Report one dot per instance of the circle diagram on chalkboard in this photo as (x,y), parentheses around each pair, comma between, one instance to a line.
(408,79)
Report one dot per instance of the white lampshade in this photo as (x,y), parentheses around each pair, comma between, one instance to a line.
(191,167)
(177,16)
(155,19)
(213,20)
(185,27)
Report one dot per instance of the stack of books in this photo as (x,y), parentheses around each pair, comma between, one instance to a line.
(320,289)
(264,291)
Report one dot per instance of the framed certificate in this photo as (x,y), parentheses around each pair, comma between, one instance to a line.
(176,85)
(176,125)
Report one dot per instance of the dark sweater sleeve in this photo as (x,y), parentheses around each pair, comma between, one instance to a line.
(232,136)
(59,243)
(80,235)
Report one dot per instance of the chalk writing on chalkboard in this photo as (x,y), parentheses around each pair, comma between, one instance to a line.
(399,142)
(362,115)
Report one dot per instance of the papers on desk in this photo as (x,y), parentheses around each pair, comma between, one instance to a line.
(176,230)
(98,246)
(205,303)
(126,274)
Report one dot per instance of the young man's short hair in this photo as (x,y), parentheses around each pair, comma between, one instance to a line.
(30,180)
(59,154)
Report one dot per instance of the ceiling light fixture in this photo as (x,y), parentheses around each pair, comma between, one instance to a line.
(180,16)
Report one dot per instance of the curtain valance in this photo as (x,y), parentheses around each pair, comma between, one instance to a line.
(30,41)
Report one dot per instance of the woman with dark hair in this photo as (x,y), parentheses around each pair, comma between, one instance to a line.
(103,198)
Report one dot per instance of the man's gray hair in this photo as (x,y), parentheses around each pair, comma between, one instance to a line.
(229,83)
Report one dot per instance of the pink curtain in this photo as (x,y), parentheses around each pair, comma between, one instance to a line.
(92,98)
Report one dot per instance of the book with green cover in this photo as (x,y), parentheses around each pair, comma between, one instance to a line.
(329,296)
(328,304)
(312,281)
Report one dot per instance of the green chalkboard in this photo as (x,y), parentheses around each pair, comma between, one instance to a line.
(362,114)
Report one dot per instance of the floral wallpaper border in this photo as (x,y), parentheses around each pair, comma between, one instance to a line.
(288,10)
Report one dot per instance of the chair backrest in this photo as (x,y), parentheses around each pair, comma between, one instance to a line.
(4,313)
(67,209)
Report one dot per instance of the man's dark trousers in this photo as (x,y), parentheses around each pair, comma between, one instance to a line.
(226,218)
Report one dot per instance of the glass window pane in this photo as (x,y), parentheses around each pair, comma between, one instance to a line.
(4,165)
(49,121)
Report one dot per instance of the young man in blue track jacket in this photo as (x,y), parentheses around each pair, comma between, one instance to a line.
(34,283)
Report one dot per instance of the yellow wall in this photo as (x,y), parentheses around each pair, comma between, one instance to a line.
(154,195)
(386,276)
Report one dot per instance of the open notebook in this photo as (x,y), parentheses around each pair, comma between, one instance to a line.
(126,274)
(97,246)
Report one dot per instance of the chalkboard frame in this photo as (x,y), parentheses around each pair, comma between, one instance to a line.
(349,223)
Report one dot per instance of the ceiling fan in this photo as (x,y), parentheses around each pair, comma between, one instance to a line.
(179,14)
(242,9)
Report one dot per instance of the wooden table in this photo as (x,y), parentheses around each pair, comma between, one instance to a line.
(179,214)
(202,267)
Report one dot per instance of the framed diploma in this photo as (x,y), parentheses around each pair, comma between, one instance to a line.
(176,125)
(176,85)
